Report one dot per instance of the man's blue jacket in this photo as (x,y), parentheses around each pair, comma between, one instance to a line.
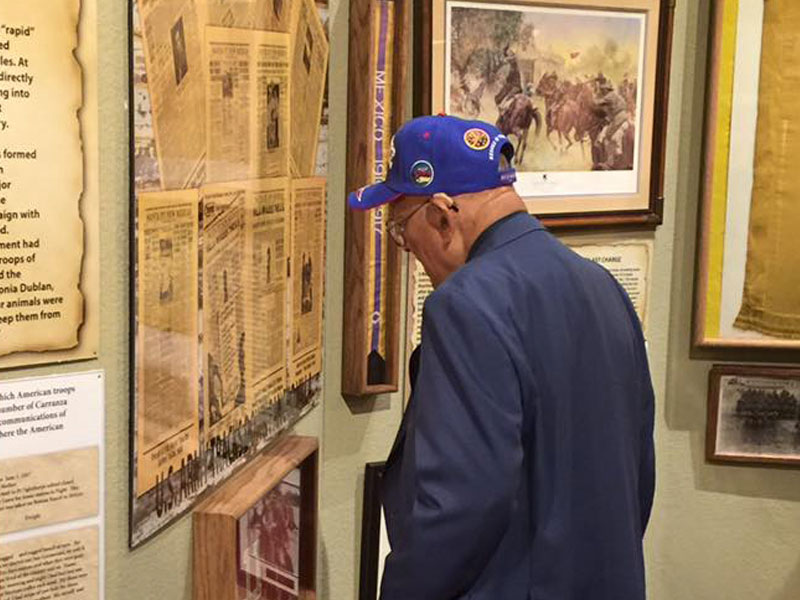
(524,467)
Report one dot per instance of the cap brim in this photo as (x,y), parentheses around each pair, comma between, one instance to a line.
(372,196)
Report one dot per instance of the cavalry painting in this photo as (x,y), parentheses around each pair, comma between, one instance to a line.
(563,84)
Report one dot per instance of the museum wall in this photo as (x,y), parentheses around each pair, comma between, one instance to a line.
(716,532)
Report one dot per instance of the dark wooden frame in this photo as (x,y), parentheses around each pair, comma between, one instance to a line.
(357,312)
(645,219)
(368,584)
(714,378)
(216,519)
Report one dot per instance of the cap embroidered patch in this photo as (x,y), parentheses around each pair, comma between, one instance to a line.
(360,193)
(477,139)
(422,173)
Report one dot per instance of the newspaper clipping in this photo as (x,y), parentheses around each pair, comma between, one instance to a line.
(307,263)
(220,367)
(167,425)
(173,56)
(266,240)
(223,307)
(309,69)
(248,104)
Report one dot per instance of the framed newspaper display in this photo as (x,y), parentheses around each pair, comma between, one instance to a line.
(255,538)
(753,415)
(228,214)
(580,87)
(379,34)
(746,292)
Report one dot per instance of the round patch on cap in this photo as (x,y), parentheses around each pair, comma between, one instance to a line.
(476,138)
(422,173)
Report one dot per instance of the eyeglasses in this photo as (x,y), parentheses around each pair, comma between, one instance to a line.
(397,229)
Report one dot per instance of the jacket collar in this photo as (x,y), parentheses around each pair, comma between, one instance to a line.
(503,231)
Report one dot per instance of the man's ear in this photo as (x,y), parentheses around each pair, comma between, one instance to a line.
(440,216)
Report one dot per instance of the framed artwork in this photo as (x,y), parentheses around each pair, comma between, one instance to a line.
(378,59)
(374,540)
(748,257)
(255,537)
(228,157)
(578,86)
(753,415)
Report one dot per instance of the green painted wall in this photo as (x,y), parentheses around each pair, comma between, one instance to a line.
(728,533)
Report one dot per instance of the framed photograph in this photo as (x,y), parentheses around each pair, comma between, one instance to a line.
(255,537)
(753,415)
(746,292)
(578,86)
(374,540)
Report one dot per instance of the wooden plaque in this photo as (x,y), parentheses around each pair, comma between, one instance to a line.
(259,530)
(376,109)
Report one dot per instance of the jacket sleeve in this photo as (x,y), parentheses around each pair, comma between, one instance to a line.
(464,452)
(647,461)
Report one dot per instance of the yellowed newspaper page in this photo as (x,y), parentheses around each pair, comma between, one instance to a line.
(771,299)
(307,271)
(167,333)
(265,266)
(41,177)
(247,104)
(272,15)
(309,71)
(173,47)
(224,349)
(227,13)
(270,115)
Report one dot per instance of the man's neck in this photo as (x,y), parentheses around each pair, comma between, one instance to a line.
(489,213)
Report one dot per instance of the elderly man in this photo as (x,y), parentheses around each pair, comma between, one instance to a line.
(524,465)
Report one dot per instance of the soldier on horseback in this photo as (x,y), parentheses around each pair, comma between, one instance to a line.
(614,111)
(513,83)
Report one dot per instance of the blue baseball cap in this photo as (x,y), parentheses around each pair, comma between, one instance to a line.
(442,154)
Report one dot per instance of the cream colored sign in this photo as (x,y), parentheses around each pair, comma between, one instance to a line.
(48,488)
(629,263)
(61,565)
(41,178)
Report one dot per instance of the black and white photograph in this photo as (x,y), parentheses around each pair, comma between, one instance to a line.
(179,51)
(754,414)
(273,115)
(269,544)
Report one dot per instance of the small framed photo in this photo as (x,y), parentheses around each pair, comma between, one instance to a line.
(578,86)
(754,415)
(255,537)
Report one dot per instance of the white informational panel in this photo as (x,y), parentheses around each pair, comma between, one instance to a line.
(52,487)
